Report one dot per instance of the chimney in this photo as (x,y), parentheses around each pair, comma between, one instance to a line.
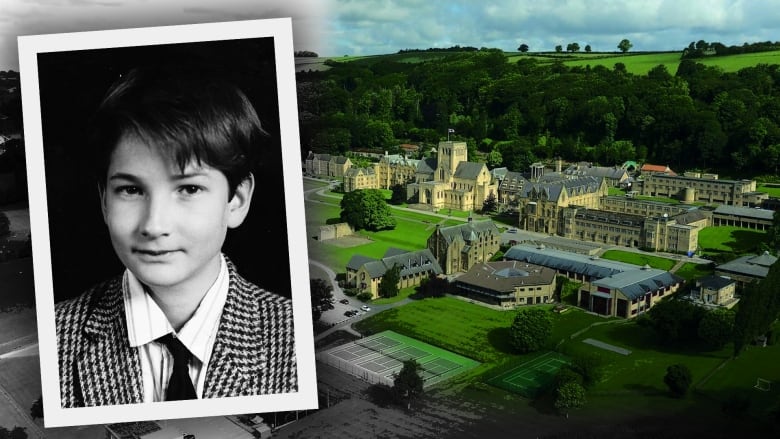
(558,165)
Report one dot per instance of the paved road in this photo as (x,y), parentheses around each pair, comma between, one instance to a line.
(22,413)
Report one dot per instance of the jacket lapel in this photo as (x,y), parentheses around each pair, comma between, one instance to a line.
(108,369)
(238,349)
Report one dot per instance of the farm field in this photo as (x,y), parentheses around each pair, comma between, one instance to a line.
(639,259)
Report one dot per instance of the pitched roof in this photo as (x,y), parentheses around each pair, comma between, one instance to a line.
(748,212)
(714,282)
(354,172)
(636,283)
(468,231)
(567,261)
(647,167)
(469,170)
(750,265)
(414,262)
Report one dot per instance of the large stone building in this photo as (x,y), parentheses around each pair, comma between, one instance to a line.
(508,283)
(326,165)
(614,175)
(455,183)
(458,248)
(708,188)
(608,288)
(541,203)
(365,273)
(747,268)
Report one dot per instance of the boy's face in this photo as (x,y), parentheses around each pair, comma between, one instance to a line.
(168,226)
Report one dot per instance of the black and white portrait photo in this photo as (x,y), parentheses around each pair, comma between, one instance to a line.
(166,210)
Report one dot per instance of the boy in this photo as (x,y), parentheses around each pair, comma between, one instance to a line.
(174,171)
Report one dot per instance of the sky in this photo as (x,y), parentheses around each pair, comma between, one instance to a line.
(368,27)
(33,17)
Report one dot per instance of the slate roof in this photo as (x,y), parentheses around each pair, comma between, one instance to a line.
(504,276)
(357,261)
(750,265)
(691,216)
(411,263)
(747,212)
(636,283)
(611,172)
(469,170)
(398,159)
(714,282)
(574,187)
(567,261)
(468,231)
(512,181)
(354,172)
(426,166)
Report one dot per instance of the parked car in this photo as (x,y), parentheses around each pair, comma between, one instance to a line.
(350,312)
(344,301)
(365,308)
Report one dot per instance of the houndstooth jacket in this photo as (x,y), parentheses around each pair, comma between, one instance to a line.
(254,351)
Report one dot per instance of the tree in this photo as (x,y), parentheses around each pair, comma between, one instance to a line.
(589,366)
(587,48)
(678,379)
(559,48)
(321,299)
(490,204)
(530,330)
(758,309)
(624,45)
(18,433)
(366,209)
(523,48)
(36,410)
(569,395)
(5,224)
(389,285)
(716,328)
(675,321)
(433,286)
(573,47)
(399,194)
(407,383)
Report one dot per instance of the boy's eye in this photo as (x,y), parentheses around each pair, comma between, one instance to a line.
(190,189)
(128,190)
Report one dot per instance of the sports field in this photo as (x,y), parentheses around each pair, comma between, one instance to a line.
(532,376)
(376,358)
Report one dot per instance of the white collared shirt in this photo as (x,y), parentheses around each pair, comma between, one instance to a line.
(146,322)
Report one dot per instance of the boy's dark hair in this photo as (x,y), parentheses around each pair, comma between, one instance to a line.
(185,117)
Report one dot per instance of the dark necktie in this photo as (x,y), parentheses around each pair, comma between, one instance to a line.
(179,385)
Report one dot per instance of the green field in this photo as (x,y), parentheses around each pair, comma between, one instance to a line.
(638,63)
(639,259)
(690,271)
(730,239)
(772,189)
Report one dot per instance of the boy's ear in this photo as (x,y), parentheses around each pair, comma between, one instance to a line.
(238,206)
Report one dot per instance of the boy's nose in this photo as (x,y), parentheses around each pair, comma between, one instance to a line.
(156,219)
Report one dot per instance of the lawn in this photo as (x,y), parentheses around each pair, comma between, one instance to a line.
(691,270)
(773,189)
(730,239)
(468,329)
(639,259)
(403,294)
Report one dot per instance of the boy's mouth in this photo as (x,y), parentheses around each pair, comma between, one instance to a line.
(152,252)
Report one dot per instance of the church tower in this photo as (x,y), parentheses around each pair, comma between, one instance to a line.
(449,156)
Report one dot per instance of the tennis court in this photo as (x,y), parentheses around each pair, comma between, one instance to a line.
(376,358)
(532,376)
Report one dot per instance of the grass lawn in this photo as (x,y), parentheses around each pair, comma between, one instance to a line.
(772,189)
(639,259)
(691,270)
(730,239)
(643,369)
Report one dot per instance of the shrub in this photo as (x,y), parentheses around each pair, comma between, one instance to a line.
(678,379)
(365,297)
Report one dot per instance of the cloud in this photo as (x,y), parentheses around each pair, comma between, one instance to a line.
(373,26)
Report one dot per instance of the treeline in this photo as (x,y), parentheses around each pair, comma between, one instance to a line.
(455,48)
(518,113)
(701,48)
(305,54)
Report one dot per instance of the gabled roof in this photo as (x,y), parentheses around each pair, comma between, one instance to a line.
(426,166)
(357,261)
(468,231)
(411,263)
(636,283)
(714,282)
(611,172)
(574,186)
(354,172)
(469,170)
(691,216)
(512,181)
(647,167)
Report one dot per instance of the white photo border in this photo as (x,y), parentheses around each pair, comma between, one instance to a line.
(281,31)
